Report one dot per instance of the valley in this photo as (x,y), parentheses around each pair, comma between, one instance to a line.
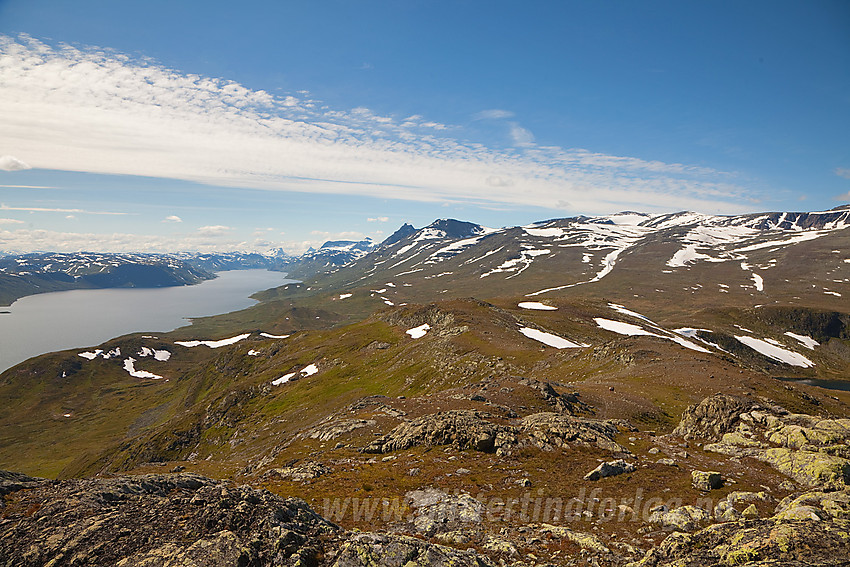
(445,395)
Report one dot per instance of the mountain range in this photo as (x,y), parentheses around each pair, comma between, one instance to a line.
(625,389)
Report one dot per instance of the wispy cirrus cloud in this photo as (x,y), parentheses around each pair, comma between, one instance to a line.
(492,114)
(28,240)
(131,117)
(843,172)
(4,207)
(27,187)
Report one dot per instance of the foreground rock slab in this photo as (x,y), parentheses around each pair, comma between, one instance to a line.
(187,520)
(772,541)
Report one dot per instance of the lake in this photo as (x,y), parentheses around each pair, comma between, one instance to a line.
(48,322)
(843,385)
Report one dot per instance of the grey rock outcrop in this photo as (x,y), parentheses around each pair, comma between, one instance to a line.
(390,550)
(712,417)
(12,482)
(468,429)
(732,508)
(564,403)
(550,430)
(462,429)
(816,505)
(333,429)
(812,450)
(435,511)
(300,472)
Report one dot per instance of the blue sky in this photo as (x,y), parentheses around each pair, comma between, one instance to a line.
(219,125)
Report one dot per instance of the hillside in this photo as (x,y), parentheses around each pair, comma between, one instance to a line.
(453,381)
(27,274)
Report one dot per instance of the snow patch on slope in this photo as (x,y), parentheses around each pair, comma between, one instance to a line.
(129,366)
(549,339)
(418,332)
(775,352)
(536,305)
(213,344)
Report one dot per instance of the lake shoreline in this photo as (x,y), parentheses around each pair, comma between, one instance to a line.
(53,321)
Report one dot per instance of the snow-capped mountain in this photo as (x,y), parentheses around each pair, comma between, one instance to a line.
(330,257)
(751,254)
(221,261)
(26,274)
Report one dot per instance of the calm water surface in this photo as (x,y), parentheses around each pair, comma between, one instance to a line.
(47,322)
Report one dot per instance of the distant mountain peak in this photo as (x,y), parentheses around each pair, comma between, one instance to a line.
(456,229)
(403,232)
(364,244)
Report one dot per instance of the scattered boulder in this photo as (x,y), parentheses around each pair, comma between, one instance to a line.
(706,481)
(611,468)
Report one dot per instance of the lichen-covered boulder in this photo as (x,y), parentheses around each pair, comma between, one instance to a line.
(712,417)
(684,518)
(706,480)
(391,550)
(812,450)
(436,511)
(770,541)
(823,504)
(808,468)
